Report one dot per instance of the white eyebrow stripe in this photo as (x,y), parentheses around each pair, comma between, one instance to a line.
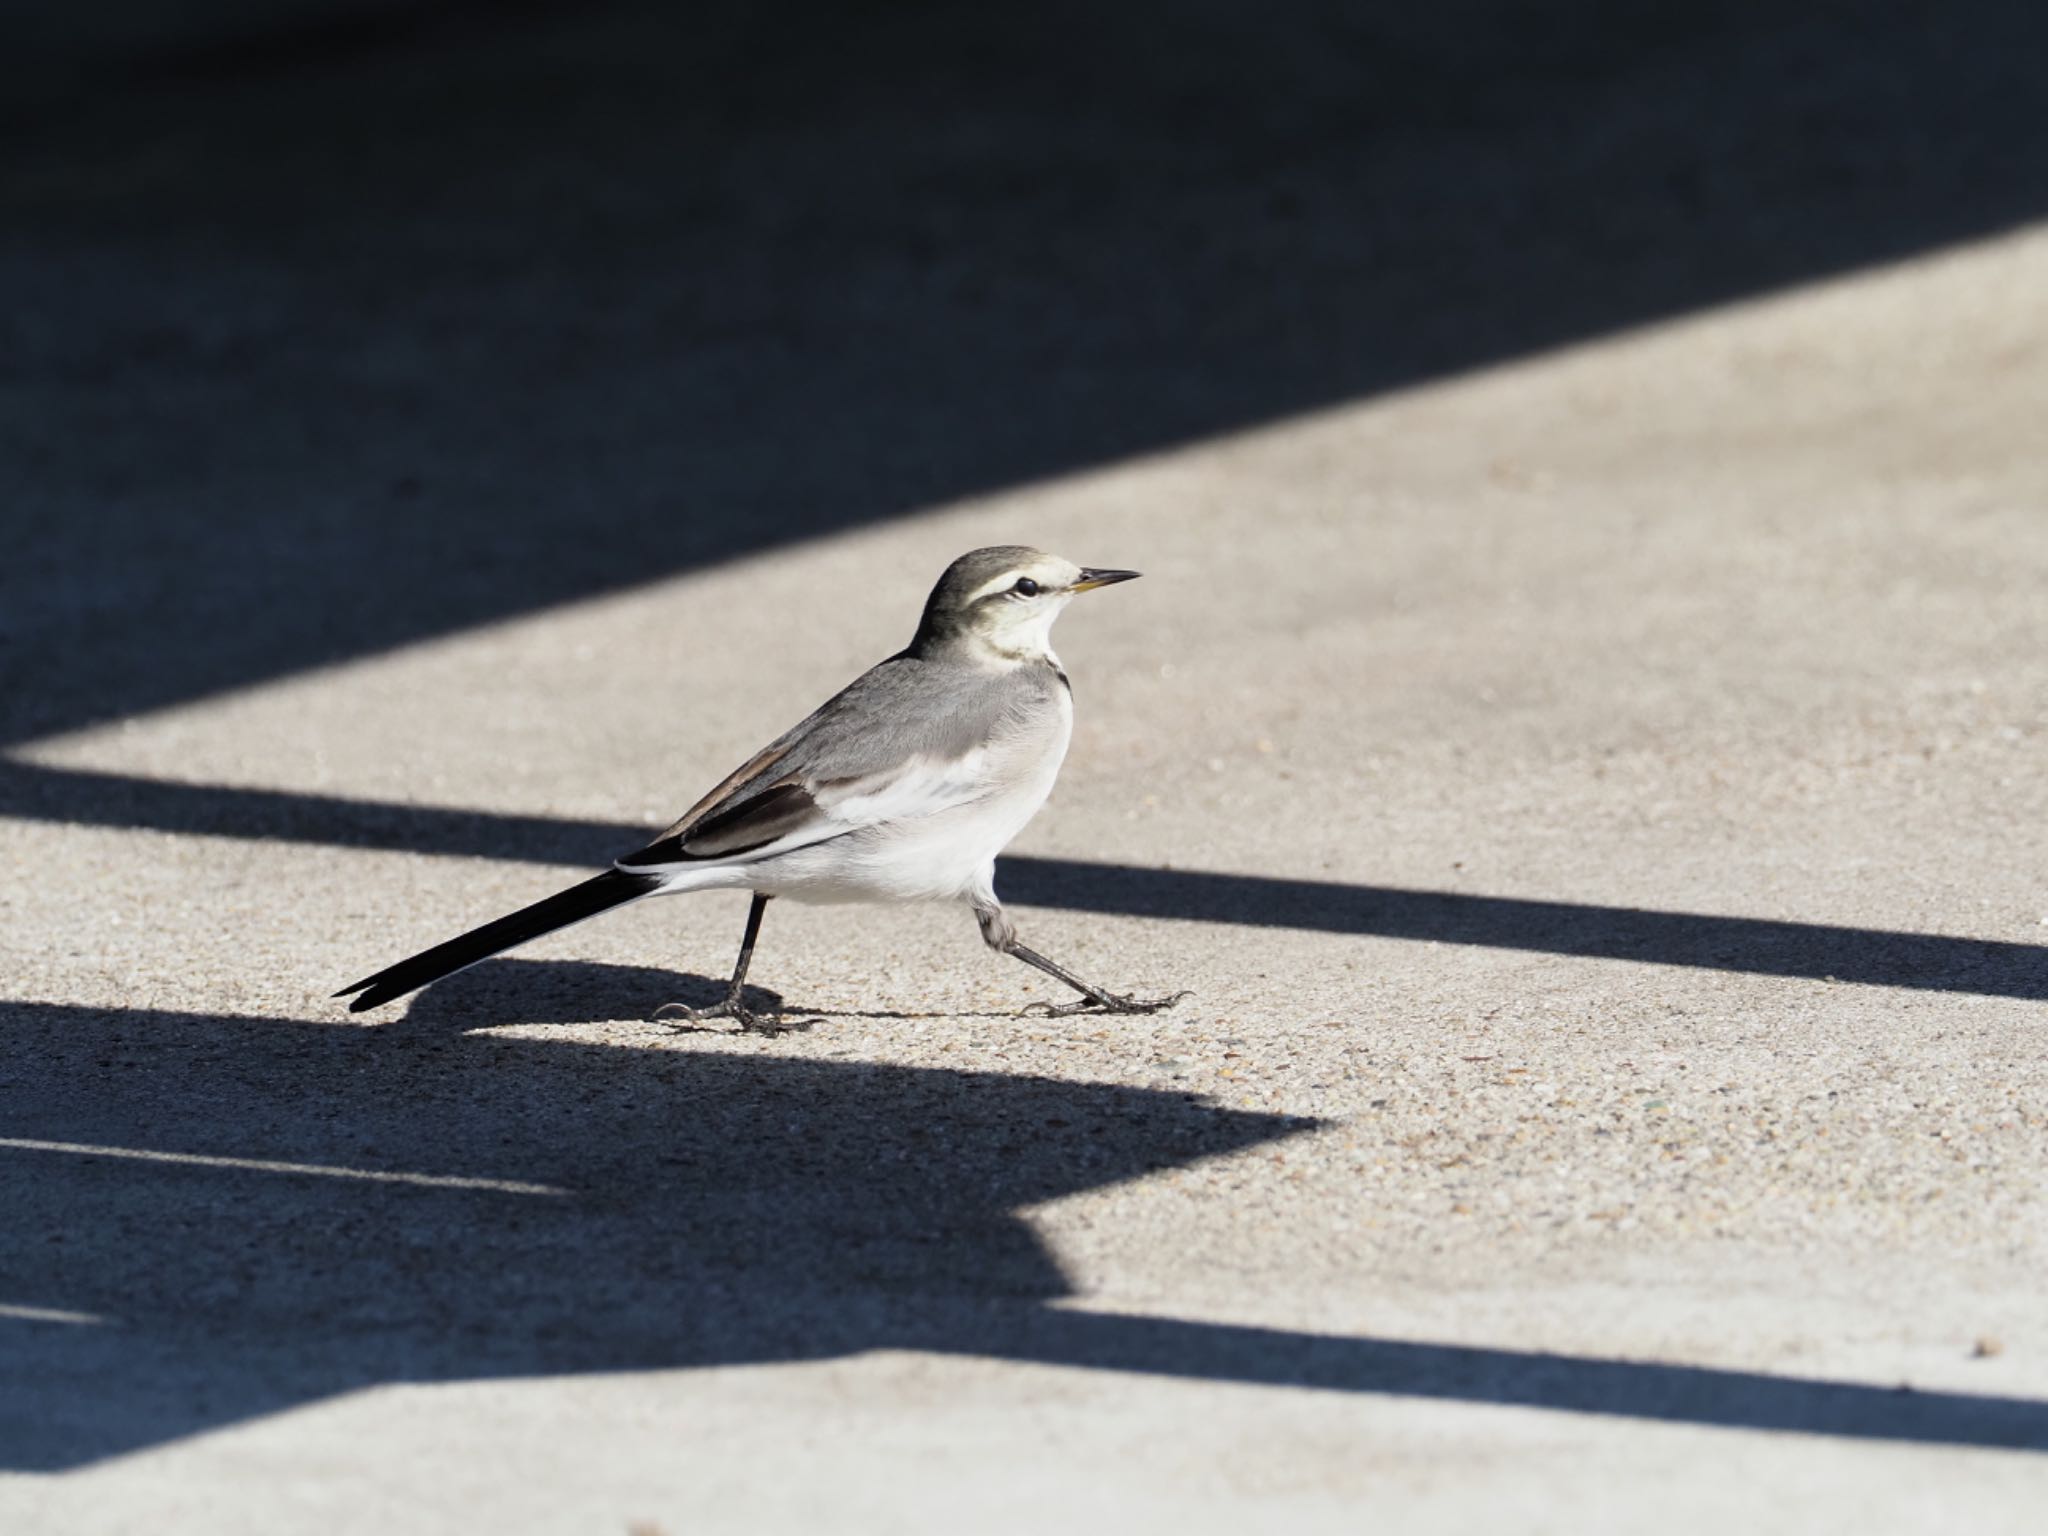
(989,589)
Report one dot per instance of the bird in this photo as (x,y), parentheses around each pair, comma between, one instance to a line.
(902,787)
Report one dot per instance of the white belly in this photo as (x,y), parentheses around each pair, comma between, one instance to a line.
(940,852)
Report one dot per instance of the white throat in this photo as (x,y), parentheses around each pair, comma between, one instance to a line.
(1022,639)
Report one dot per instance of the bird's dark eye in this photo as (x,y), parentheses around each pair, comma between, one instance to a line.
(1025,587)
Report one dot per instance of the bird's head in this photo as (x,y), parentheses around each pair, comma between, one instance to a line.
(1000,602)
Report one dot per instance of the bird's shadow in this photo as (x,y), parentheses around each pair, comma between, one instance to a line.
(505,992)
(501,993)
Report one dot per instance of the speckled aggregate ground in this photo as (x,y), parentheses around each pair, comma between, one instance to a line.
(1425,1206)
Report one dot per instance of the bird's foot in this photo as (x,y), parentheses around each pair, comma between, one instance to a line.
(1105,1002)
(731,1007)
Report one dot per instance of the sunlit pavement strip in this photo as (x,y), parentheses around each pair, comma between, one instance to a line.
(51,1315)
(265,1165)
(1739,615)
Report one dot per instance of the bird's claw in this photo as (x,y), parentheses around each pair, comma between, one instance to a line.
(1107,1002)
(732,1008)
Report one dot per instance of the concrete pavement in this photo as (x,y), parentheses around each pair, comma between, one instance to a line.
(1579,737)
(1680,623)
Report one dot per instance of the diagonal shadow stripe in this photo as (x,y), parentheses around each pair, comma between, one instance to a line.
(710,1210)
(1678,1394)
(588,333)
(344,1207)
(1758,946)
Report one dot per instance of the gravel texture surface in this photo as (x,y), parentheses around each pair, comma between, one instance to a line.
(1595,799)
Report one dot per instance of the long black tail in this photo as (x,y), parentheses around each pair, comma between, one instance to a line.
(598,894)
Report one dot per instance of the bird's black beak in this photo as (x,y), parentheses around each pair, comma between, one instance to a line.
(1089,580)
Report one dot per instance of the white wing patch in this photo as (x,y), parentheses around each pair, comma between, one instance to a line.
(928,829)
(921,787)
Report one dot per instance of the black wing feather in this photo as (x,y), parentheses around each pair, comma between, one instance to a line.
(752,823)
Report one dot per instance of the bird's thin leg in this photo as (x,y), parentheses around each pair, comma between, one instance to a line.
(739,970)
(1000,935)
(733,1006)
(1092,996)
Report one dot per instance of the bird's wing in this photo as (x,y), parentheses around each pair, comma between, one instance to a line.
(898,743)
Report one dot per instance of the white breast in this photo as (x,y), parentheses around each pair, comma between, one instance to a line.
(928,834)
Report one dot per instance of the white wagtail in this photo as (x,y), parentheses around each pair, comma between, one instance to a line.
(903,787)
